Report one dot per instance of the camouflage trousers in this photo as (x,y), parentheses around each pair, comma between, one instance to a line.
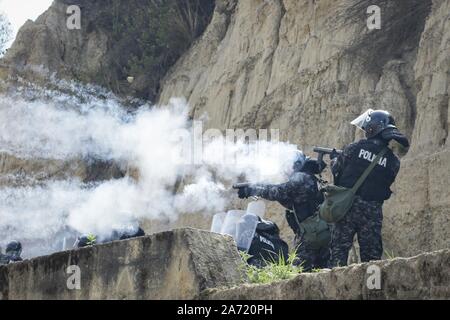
(308,257)
(364,219)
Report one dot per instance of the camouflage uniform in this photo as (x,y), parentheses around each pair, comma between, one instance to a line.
(300,195)
(309,257)
(365,219)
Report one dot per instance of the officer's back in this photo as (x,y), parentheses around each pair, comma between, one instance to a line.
(365,216)
(358,156)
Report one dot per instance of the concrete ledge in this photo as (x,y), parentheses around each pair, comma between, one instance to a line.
(426,276)
(194,264)
(177,264)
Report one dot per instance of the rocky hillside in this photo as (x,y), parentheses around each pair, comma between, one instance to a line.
(309,67)
(116,39)
(305,67)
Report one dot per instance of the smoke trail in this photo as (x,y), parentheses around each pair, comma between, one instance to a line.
(157,142)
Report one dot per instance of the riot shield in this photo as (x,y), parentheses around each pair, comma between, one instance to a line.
(257,208)
(217,222)
(229,224)
(245,231)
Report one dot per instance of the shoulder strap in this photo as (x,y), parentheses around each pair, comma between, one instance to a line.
(368,170)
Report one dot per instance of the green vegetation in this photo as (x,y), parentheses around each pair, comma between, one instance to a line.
(389,254)
(273,271)
(91,240)
(148,37)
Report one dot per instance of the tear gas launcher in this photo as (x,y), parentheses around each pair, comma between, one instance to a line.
(321,151)
(238,186)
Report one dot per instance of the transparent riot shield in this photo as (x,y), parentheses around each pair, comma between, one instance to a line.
(257,208)
(245,231)
(229,224)
(217,222)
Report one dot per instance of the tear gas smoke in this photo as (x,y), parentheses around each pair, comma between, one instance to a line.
(159,142)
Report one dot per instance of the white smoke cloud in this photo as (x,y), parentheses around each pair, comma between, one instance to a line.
(63,127)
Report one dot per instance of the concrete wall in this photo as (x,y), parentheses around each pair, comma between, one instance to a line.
(171,265)
(426,276)
(193,264)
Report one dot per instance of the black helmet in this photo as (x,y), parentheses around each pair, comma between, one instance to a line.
(14,248)
(313,166)
(374,122)
(85,240)
(131,232)
(299,160)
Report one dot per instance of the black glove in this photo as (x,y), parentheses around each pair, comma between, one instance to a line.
(321,166)
(313,166)
(334,154)
(393,134)
(246,192)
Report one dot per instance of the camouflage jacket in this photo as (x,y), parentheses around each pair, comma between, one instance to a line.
(300,194)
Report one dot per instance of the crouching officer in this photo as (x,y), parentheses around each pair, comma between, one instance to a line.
(85,240)
(12,254)
(301,197)
(365,216)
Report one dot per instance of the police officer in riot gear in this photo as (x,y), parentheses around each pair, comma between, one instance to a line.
(12,254)
(127,232)
(267,245)
(301,197)
(365,216)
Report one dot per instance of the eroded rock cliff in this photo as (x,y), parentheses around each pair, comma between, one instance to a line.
(115,39)
(309,67)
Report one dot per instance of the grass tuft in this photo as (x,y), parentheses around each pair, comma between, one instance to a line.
(389,254)
(272,271)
